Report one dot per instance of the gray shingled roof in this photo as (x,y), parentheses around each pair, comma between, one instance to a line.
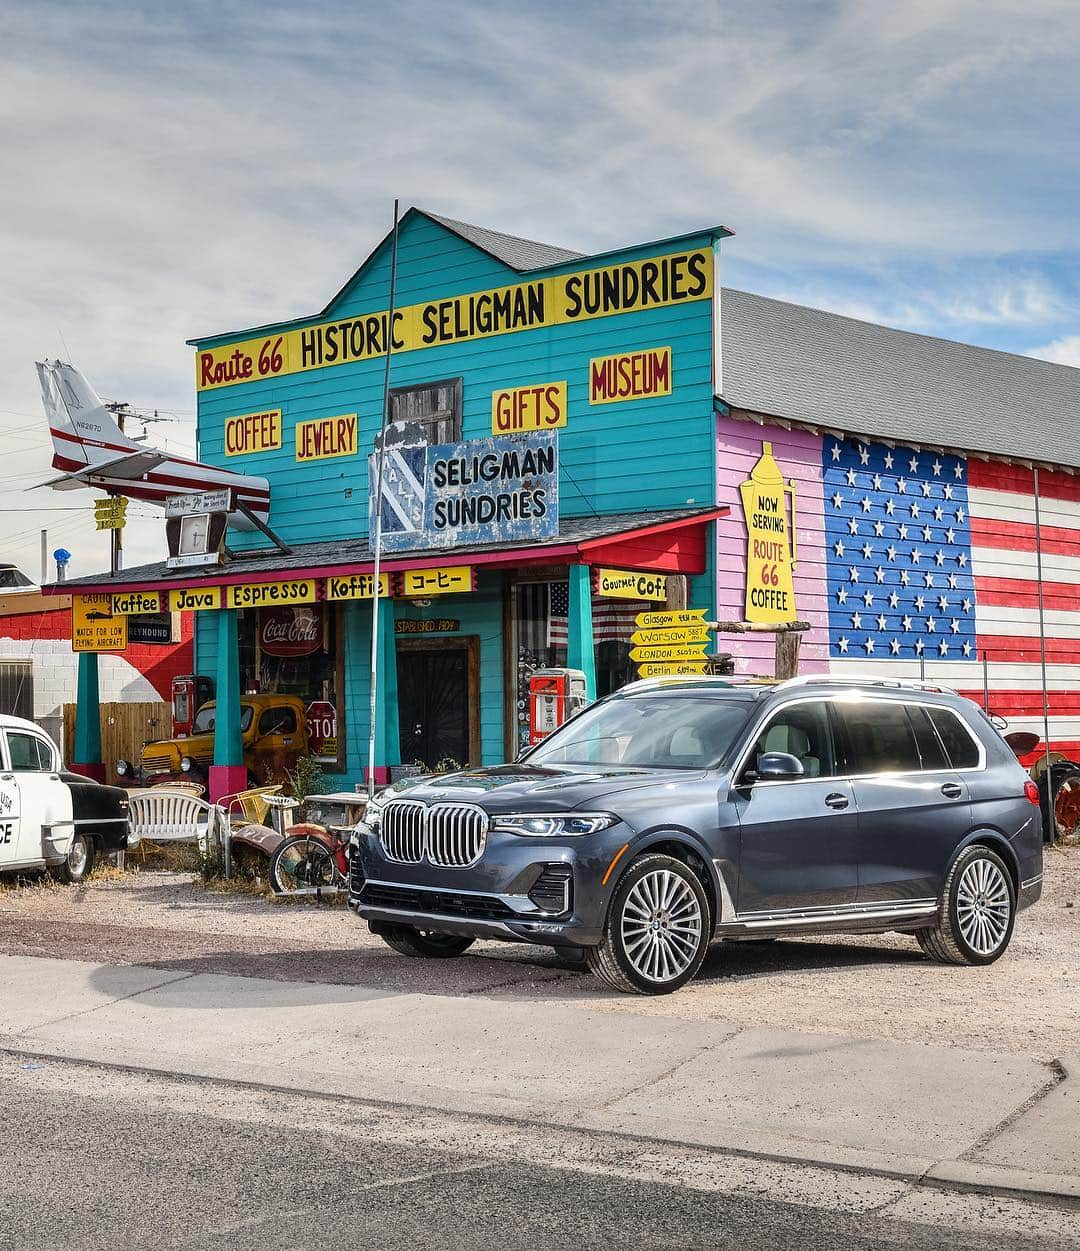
(334,554)
(519,254)
(806,365)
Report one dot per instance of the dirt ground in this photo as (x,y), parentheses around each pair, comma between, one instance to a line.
(882,986)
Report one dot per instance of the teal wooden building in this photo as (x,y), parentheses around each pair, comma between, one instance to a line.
(609,361)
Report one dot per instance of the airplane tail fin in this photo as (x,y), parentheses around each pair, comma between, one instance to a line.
(83,430)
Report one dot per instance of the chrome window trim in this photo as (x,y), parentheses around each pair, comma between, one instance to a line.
(835,697)
(38,737)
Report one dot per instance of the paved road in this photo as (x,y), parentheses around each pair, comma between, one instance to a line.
(100,1159)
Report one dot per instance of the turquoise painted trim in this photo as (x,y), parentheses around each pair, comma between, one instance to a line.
(580,652)
(87,711)
(228,742)
(387,736)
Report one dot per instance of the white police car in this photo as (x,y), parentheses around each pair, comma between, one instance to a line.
(49,817)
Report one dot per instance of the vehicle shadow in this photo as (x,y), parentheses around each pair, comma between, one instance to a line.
(490,970)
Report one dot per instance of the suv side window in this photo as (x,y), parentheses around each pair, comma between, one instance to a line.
(962,748)
(880,737)
(930,748)
(804,731)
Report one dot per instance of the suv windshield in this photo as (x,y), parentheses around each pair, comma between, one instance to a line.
(204,718)
(650,731)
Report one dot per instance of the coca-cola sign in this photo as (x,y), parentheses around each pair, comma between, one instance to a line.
(293,630)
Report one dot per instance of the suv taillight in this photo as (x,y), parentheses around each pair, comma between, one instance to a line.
(1032,792)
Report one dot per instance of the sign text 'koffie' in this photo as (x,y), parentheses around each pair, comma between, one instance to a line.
(483,491)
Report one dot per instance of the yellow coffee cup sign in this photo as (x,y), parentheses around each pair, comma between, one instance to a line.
(770,541)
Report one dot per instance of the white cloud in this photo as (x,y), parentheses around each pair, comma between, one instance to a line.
(1063,351)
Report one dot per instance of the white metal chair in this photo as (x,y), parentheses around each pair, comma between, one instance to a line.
(170,816)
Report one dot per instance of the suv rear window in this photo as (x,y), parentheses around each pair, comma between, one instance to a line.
(962,748)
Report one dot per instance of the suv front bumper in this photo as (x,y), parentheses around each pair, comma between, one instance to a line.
(536,890)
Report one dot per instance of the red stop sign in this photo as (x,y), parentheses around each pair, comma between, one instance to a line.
(322,727)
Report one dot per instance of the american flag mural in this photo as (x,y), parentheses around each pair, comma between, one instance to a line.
(914,562)
(898,553)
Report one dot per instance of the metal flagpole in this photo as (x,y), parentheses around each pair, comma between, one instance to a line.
(377,534)
(1042,655)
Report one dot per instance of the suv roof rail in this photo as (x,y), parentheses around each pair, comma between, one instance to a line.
(865,679)
(644,684)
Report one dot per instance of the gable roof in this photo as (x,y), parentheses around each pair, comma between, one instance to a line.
(519,254)
(837,373)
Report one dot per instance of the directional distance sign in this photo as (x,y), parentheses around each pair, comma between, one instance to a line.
(648,654)
(664,620)
(684,668)
(674,636)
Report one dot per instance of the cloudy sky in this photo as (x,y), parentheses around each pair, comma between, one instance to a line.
(173,169)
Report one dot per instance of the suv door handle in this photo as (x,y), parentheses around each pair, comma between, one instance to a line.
(951,790)
(836,801)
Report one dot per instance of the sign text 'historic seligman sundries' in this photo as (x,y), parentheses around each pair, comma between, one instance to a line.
(564,299)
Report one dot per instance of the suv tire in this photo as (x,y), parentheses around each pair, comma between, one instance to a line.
(657,929)
(406,940)
(978,911)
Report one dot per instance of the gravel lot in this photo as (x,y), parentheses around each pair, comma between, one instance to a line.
(871,987)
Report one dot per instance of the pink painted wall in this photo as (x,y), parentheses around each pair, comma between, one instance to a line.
(799,456)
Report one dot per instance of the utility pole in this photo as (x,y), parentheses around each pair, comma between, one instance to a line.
(44,557)
(116,541)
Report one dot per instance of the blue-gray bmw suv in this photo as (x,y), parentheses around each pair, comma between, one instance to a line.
(679,811)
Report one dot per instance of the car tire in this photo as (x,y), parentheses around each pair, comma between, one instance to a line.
(79,862)
(657,929)
(978,911)
(406,940)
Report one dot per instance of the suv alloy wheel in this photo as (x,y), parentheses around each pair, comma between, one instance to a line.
(977,913)
(657,930)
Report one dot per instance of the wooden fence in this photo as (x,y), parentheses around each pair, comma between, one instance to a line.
(124,730)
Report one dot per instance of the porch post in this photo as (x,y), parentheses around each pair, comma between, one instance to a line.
(228,773)
(579,644)
(88,760)
(387,737)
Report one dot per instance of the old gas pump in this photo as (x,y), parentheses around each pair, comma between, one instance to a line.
(189,692)
(554,696)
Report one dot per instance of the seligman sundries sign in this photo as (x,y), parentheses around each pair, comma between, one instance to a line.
(483,491)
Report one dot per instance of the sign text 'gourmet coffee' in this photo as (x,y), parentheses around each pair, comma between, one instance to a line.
(629,287)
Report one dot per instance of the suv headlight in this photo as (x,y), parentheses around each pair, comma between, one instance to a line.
(546,825)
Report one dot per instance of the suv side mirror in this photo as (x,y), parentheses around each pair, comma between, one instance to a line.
(779,766)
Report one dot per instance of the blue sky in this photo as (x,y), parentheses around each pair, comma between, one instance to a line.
(176,169)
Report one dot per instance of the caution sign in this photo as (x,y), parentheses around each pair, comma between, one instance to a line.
(94,628)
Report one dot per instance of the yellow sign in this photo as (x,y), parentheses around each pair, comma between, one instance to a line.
(676,617)
(518,409)
(626,584)
(630,376)
(111,512)
(663,652)
(671,669)
(770,541)
(93,626)
(630,287)
(129,603)
(258,594)
(678,634)
(195,599)
(447,581)
(253,432)
(357,586)
(325,437)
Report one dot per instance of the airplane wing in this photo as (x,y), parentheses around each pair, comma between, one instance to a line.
(133,465)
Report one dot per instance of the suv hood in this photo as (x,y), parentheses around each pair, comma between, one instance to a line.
(530,788)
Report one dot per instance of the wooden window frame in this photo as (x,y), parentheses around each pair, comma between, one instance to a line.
(455,417)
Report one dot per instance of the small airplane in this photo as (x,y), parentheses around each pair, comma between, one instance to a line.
(92,451)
